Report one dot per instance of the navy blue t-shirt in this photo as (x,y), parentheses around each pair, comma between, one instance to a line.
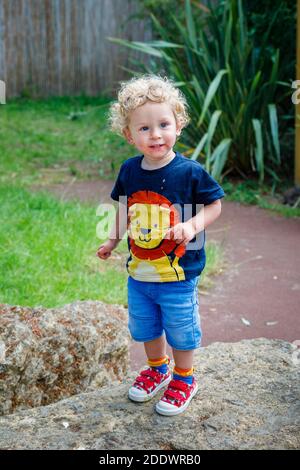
(157,200)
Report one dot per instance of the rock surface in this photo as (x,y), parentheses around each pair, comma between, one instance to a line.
(248,399)
(50,354)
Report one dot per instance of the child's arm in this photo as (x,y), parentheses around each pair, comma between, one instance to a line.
(116,234)
(186,231)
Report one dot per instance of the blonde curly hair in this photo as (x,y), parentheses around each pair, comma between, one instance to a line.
(137,91)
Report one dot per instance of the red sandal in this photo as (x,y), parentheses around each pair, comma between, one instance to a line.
(147,384)
(176,398)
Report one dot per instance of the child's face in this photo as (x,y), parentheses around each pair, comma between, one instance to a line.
(153,130)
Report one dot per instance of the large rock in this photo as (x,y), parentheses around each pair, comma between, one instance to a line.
(50,354)
(248,399)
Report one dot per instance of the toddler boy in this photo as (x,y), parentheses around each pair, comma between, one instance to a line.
(162,191)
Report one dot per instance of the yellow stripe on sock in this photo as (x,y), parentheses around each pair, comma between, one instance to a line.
(158,362)
(183,372)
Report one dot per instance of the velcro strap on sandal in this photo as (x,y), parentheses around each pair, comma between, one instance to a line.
(179,385)
(149,373)
(173,394)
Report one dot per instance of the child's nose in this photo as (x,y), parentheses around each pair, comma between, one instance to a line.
(155,133)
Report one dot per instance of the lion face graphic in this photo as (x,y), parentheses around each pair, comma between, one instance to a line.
(149,224)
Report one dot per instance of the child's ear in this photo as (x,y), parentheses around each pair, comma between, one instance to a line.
(127,135)
(178,129)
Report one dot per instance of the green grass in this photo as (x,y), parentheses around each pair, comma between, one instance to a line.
(215,264)
(52,133)
(48,251)
(250,192)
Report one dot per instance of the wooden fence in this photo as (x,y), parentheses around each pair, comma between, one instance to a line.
(59,47)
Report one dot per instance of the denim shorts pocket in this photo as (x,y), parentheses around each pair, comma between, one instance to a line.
(191,282)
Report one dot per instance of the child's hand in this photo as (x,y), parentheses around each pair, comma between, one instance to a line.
(181,233)
(104,250)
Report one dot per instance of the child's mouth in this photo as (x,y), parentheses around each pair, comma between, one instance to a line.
(156,146)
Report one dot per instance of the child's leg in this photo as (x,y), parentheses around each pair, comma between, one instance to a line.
(156,354)
(144,324)
(183,359)
(183,369)
(181,321)
(156,348)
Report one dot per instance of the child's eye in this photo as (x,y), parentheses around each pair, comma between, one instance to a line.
(144,128)
(164,124)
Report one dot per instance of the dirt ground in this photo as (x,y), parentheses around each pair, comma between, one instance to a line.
(258,294)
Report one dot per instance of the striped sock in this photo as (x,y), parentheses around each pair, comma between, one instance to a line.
(186,375)
(161,364)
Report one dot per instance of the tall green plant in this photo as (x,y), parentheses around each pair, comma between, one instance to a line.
(230,88)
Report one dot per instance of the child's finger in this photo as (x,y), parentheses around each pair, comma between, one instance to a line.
(170,234)
(177,236)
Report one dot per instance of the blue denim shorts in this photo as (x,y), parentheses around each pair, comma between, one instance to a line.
(170,307)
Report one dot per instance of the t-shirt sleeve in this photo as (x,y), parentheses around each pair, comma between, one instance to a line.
(118,189)
(205,187)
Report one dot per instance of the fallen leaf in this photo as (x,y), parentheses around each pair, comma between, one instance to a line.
(246,322)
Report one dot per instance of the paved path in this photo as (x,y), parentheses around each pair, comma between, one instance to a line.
(258,295)
(262,281)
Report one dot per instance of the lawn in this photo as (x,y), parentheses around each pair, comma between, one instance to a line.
(68,133)
(48,252)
